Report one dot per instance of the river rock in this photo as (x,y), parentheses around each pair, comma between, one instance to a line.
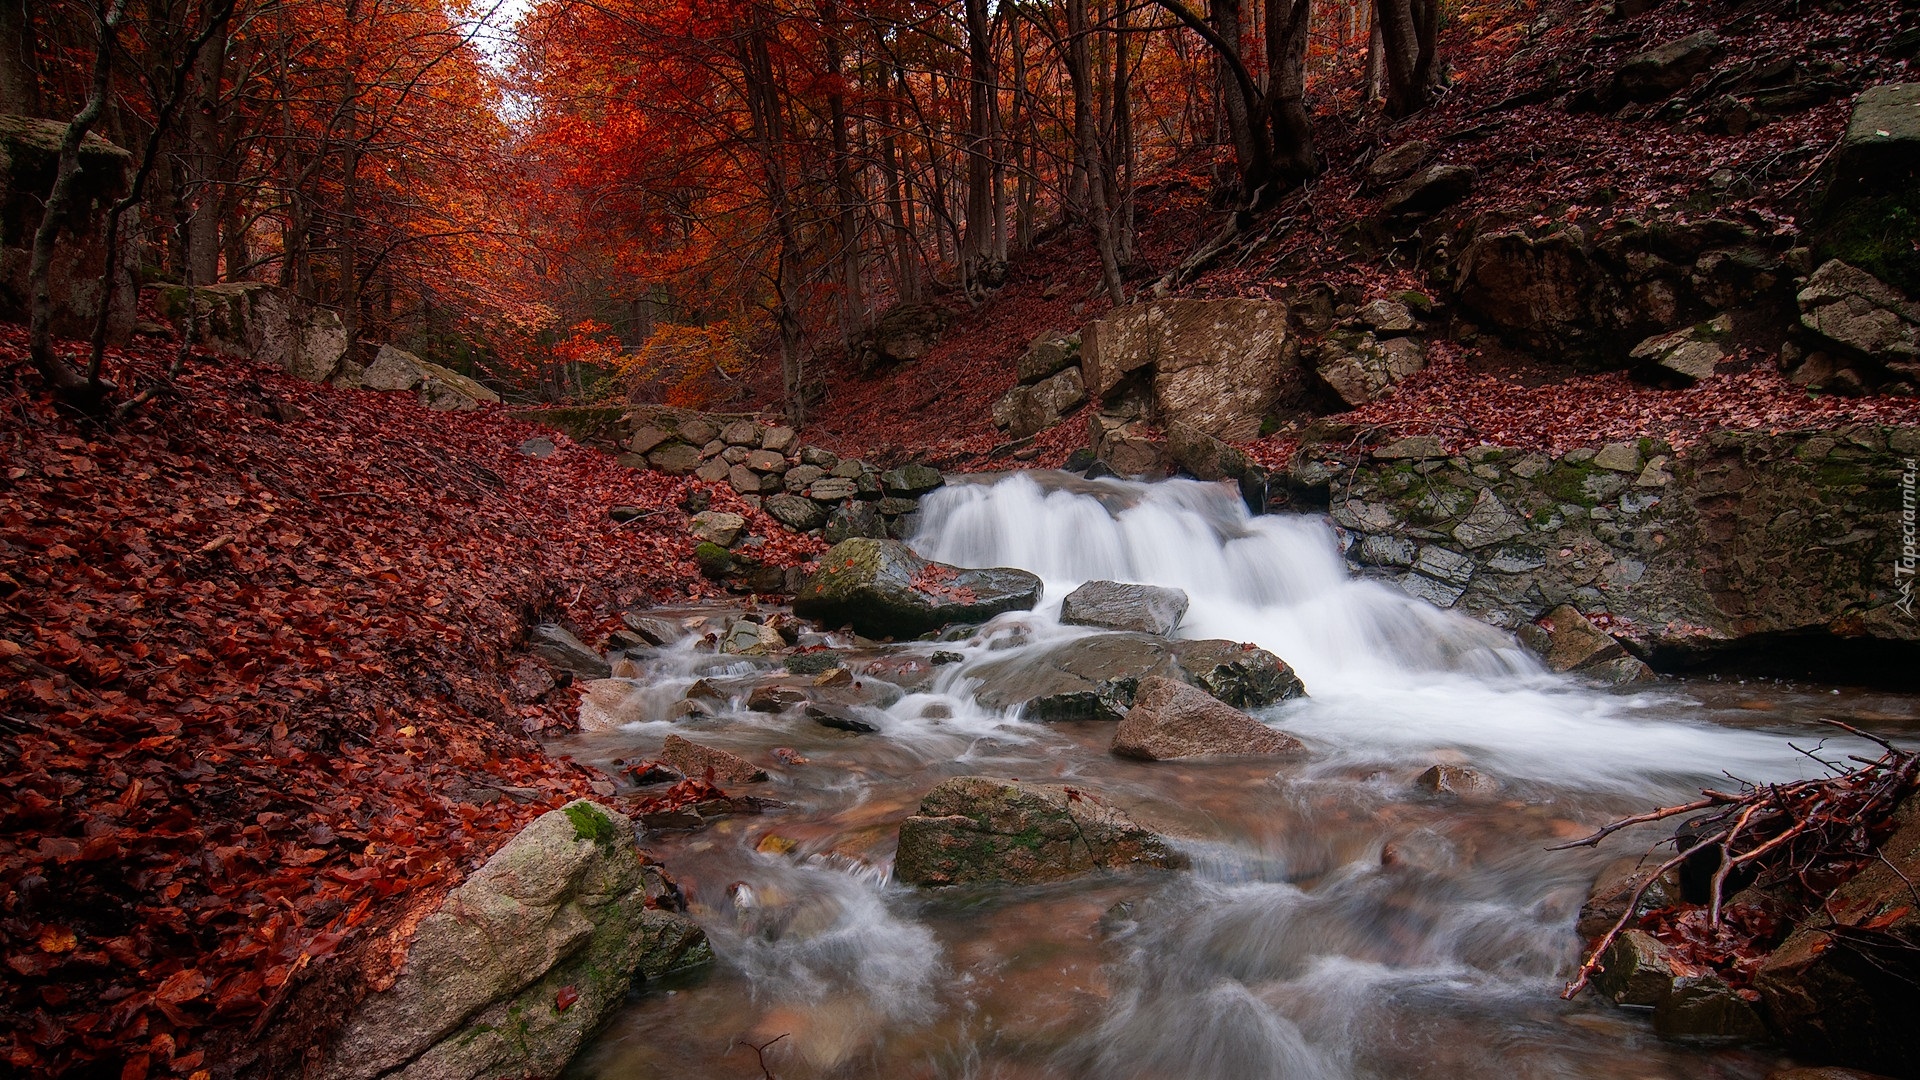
(691,759)
(562,906)
(557,646)
(1113,605)
(717,527)
(1636,970)
(1458,781)
(1704,1006)
(1095,678)
(1028,410)
(1171,719)
(976,829)
(1615,886)
(1845,986)
(911,481)
(773,699)
(840,718)
(653,628)
(1574,642)
(1244,676)
(882,589)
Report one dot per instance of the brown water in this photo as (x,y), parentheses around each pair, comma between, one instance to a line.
(1337,921)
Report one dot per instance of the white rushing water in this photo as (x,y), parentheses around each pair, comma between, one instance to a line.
(1389,676)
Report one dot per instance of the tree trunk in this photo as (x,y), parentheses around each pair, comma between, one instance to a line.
(202,194)
(1080,73)
(1286,34)
(977,245)
(853,305)
(61,377)
(1407,34)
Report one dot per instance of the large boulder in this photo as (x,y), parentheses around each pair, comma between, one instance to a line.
(1114,605)
(906,332)
(1540,291)
(558,647)
(882,589)
(1359,367)
(1050,353)
(1659,72)
(441,389)
(522,962)
(694,760)
(1853,308)
(29,159)
(974,829)
(1029,410)
(262,321)
(1866,207)
(1171,719)
(1217,365)
(1845,985)
(1428,191)
(1096,678)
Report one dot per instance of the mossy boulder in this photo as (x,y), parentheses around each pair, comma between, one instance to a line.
(974,829)
(562,907)
(882,589)
(1866,211)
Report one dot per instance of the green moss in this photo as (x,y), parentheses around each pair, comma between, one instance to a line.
(590,824)
(1567,482)
(715,561)
(1879,235)
(1420,302)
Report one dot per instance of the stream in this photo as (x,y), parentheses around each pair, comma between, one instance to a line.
(1337,920)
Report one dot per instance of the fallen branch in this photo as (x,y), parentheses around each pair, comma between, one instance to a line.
(1774,834)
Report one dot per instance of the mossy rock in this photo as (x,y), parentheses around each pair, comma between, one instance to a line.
(715,561)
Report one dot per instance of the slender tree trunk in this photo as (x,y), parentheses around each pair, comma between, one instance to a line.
(1123,147)
(978,242)
(853,305)
(1376,89)
(764,106)
(63,378)
(1087,138)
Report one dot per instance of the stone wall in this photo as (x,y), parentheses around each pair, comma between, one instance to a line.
(1745,544)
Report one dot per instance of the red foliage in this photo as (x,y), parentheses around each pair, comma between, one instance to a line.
(256,642)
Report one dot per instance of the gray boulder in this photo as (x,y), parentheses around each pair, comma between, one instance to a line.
(796,512)
(911,481)
(855,519)
(675,458)
(717,527)
(1172,720)
(1028,410)
(1429,191)
(1051,352)
(1689,354)
(1113,605)
(882,589)
(1853,308)
(1658,72)
(1394,165)
(1866,207)
(557,646)
(1360,367)
(1096,678)
(557,915)
(972,829)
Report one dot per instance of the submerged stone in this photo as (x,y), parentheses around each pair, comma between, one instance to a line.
(974,829)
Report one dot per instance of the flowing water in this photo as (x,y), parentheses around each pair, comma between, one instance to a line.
(1337,921)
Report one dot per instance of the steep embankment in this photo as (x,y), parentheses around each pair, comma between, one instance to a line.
(1734,133)
(262,696)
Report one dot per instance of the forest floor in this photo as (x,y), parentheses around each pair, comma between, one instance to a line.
(260,695)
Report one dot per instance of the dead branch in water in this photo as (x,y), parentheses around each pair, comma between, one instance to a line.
(1778,833)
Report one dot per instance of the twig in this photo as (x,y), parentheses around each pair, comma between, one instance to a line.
(1637,819)
(760,1051)
(1592,963)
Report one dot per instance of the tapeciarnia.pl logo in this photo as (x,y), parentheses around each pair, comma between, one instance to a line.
(1903,567)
